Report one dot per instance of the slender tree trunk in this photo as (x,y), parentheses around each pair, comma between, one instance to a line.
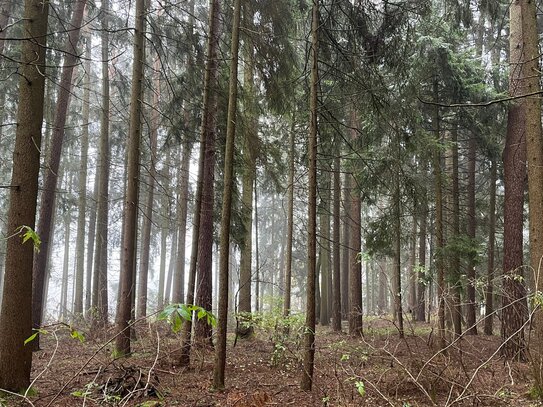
(454,271)
(208,128)
(65,264)
(258,297)
(421,277)
(248,178)
(290,225)
(324,316)
(470,306)
(412,278)
(51,175)
(163,248)
(346,244)
(489,299)
(439,235)
(171,268)
(397,251)
(220,355)
(126,280)
(355,269)
(15,313)
(141,303)
(82,200)
(93,205)
(178,294)
(336,280)
(309,333)
(99,289)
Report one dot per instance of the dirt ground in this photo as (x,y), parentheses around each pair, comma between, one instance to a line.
(378,370)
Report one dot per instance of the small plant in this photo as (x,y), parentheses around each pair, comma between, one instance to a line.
(74,333)
(360,387)
(175,314)
(282,331)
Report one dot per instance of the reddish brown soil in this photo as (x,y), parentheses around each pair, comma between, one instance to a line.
(389,371)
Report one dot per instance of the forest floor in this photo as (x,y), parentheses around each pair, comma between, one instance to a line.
(378,370)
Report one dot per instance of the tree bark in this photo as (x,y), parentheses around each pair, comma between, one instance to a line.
(16,314)
(336,280)
(310,319)
(99,288)
(355,266)
(220,355)
(250,146)
(51,175)
(439,232)
(290,224)
(472,225)
(82,199)
(126,280)
(208,129)
(143,277)
(489,298)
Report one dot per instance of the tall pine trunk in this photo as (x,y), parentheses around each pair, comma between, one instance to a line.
(82,199)
(15,314)
(126,280)
(208,129)
(220,355)
(310,319)
(99,283)
(51,174)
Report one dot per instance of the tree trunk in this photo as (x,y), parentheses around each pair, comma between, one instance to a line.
(397,251)
(439,235)
(66,261)
(126,281)
(324,316)
(90,245)
(82,199)
(470,306)
(208,129)
(309,332)
(51,175)
(489,298)
(525,63)
(355,269)
(290,224)
(336,270)
(99,289)
(250,146)
(421,275)
(16,311)
(171,268)
(346,225)
(178,294)
(163,247)
(220,355)
(454,271)
(141,303)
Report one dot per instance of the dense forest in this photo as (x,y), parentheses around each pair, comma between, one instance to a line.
(251,203)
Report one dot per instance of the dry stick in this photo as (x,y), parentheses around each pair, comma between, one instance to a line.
(483,104)
(94,355)
(93,381)
(46,367)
